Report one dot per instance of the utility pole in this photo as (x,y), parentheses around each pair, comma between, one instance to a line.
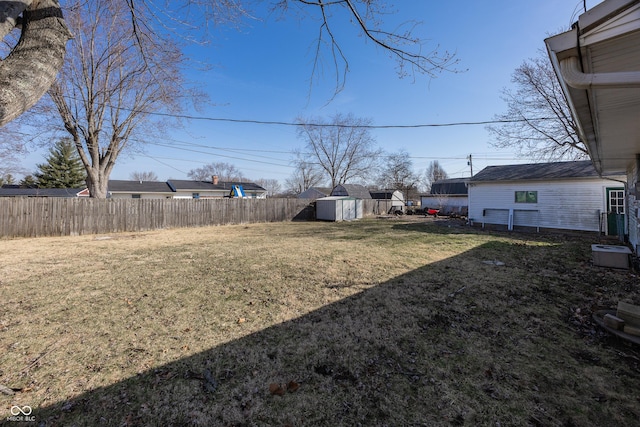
(470,164)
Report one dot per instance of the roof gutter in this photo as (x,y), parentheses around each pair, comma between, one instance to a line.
(574,77)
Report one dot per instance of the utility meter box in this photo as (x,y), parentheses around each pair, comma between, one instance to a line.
(611,256)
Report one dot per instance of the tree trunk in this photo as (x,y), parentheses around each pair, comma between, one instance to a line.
(31,67)
(97,186)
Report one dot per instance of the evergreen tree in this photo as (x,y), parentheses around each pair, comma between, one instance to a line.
(63,169)
(29,181)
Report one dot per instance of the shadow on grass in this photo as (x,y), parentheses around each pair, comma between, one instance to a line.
(458,342)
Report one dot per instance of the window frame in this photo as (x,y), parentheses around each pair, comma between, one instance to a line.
(526,196)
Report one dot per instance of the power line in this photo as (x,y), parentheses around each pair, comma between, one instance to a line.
(165,164)
(181,145)
(220,155)
(336,125)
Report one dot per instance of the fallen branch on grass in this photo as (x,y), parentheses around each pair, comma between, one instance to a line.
(459,291)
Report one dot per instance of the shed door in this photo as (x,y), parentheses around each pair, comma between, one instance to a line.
(615,211)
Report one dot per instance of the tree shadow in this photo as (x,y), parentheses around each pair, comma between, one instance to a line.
(450,343)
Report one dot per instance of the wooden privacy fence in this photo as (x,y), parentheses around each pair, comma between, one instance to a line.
(41,216)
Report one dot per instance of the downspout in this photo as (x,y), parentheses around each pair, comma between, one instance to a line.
(574,77)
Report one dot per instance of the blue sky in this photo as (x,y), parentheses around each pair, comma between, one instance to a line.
(262,72)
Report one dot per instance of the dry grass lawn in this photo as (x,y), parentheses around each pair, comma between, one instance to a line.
(374,322)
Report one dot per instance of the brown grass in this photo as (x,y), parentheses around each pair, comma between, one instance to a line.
(367,323)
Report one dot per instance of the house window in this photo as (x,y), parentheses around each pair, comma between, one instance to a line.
(526,197)
(195,195)
(616,201)
(135,196)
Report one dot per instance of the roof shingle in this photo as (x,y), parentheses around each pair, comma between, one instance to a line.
(537,171)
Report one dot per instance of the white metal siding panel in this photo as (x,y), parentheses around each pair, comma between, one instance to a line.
(566,204)
(359,206)
(495,216)
(526,218)
(327,210)
(338,208)
(348,209)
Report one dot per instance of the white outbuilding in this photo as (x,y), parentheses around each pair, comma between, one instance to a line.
(339,208)
(559,195)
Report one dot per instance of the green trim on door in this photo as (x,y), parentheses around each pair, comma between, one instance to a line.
(615,211)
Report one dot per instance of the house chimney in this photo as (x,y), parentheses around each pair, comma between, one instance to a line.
(214,179)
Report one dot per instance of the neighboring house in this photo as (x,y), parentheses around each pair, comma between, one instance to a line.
(352,190)
(450,196)
(118,189)
(388,201)
(560,195)
(214,189)
(183,189)
(598,66)
(17,191)
(315,193)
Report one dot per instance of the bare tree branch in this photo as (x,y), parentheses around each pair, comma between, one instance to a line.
(345,151)
(540,125)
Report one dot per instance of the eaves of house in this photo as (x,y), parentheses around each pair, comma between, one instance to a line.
(598,66)
(40,192)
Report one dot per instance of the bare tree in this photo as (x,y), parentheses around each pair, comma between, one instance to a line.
(224,171)
(306,174)
(109,84)
(433,173)
(272,186)
(538,123)
(397,173)
(31,67)
(144,176)
(343,147)
(11,148)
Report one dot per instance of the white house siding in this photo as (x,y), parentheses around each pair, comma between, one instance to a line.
(566,204)
(203,194)
(216,194)
(142,195)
